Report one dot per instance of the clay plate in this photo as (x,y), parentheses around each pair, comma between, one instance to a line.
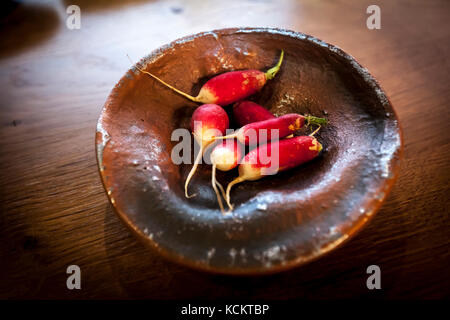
(280,221)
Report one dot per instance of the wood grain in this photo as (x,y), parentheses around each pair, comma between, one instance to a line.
(53,208)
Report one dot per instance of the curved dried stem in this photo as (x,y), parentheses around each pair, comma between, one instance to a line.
(231,184)
(214,184)
(191,173)
(315,131)
(195,99)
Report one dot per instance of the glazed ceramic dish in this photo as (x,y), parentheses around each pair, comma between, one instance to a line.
(280,221)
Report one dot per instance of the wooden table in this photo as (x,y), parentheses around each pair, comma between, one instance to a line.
(54,211)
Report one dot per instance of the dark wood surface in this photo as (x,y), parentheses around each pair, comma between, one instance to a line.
(54,212)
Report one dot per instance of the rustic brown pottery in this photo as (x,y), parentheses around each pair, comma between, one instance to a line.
(280,221)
